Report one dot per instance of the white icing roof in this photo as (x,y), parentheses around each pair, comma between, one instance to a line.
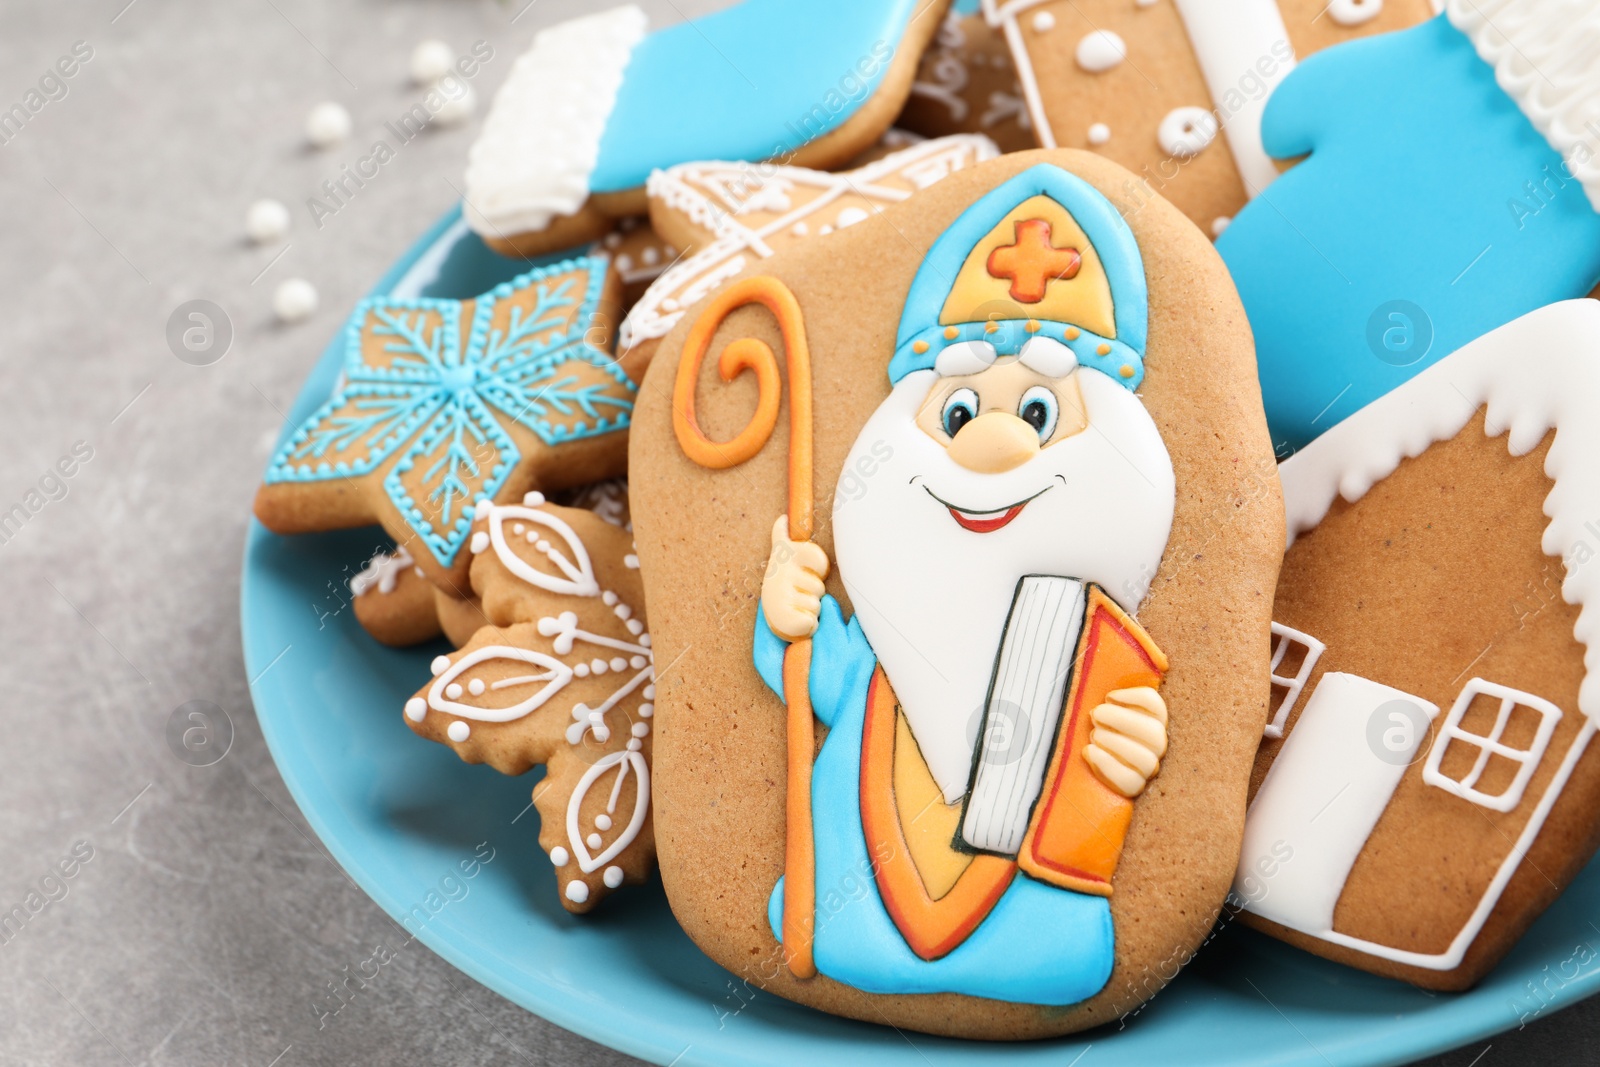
(1539,372)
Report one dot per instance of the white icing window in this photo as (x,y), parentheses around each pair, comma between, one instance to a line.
(1296,652)
(1491,744)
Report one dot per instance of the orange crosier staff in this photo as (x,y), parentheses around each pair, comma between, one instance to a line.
(749,353)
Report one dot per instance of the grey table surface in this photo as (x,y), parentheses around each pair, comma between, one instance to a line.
(209,920)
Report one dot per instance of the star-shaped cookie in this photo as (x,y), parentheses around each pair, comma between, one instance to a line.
(563,676)
(443,402)
(731,215)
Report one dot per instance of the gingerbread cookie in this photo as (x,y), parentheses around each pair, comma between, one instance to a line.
(1016,560)
(599,102)
(563,676)
(731,215)
(442,402)
(398,606)
(1428,783)
(1174,89)
(968,84)
(1465,248)
(638,256)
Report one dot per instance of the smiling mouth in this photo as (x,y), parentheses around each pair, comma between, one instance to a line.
(985,521)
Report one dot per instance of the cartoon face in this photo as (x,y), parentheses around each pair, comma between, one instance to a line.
(1002,416)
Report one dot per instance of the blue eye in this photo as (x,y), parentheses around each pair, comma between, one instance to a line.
(1040,409)
(960,408)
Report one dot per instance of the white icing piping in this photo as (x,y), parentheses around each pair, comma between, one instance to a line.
(541,139)
(1543,55)
(1541,371)
(692,279)
(1003,16)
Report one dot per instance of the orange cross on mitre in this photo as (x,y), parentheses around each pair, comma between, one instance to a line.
(1033,262)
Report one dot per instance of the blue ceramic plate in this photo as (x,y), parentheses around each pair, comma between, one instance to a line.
(402,815)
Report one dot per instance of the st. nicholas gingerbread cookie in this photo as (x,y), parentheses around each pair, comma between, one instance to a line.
(986,566)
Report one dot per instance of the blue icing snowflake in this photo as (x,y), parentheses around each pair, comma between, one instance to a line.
(411,389)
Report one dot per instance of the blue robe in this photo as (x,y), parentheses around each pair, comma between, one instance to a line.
(1039,945)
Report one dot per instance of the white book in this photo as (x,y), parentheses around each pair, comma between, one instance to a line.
(1023,711)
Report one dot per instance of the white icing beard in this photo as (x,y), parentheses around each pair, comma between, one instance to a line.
(932,597)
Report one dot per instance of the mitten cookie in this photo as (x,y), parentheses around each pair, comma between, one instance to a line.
(1491,210)
(1173,89)
(599,102)
(730,215)
(968,84)
(442,402)
(563,677)
(1016,557)
(1428,784)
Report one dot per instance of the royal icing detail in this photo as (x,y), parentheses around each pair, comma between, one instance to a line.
(1186,131)
(1098,51)
(1354,12)
(1534,375)
(541,138)
(753,212)
(431,389)
(1029,513)
(383,572)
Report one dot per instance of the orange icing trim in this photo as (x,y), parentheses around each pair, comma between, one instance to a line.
(799,849)
(1075,837)
(749,353)
(933,928)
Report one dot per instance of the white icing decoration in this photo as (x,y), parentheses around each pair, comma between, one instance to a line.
(559,856)
(453,691)
(1219,224)
(949,73)
(1099,133)
(613,877)
(381,572)
(577,892)
(1537,373)
(328,124)
(575,566)
(1044,22)
(416,709)
(476,687)
(622,762)
(1543,58)
(552,677)
(534,157)
(1099,51)
(431,60)
(1229,40)
(850,216)
(1354,12)
(458,731)
(1285,638)
(593,840)
(294,300)
(266,221)
(1527,760)
(603,821)
(533,499)
(439,665)
(1186,131)
(711,196)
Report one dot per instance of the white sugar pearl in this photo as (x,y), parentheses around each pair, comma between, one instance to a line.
(328,124)
(1100,51)
(595,840)
(266,221)
(613,877)
(458,108)
(295,300)
(577,892)
(416,709)
(476,687)
(459,731)
(603,821)
(559,857)
(1099,133)
(430,61)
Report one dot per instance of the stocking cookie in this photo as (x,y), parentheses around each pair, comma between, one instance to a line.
(732,215)
(599,102)
(1465,248)
(563,677)
(1173,89)
(1015,556)
(1435,659)
(442,402)
(968,84)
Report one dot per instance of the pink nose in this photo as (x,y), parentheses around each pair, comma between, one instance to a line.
(994,442)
